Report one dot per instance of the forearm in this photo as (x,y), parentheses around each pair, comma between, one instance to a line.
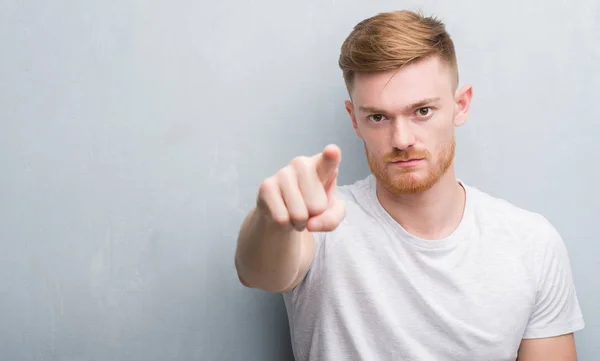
(268,255)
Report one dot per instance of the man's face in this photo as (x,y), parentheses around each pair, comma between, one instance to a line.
(406,119)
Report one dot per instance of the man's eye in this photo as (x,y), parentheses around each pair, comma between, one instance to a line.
(423,112)
(376,118)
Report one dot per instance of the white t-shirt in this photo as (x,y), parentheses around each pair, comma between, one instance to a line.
(376,292)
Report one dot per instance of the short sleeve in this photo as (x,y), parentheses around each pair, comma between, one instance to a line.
(556,310)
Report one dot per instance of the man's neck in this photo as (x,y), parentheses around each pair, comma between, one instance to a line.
(433,214)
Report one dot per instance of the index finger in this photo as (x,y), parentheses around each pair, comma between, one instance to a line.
(328,162)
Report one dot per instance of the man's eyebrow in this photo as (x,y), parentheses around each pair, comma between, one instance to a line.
(368,109)
(416,105)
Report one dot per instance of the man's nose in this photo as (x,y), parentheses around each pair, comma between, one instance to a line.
(404,136)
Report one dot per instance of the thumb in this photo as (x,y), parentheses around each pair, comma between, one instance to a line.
(328,220)
(328,162)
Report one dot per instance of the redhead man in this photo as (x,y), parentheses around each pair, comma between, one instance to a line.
(409,263)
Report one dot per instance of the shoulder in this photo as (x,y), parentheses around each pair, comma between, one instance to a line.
(501,216)
(354,192)
(358,198)
(360,210)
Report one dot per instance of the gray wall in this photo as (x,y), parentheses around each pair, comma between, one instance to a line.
(134,135)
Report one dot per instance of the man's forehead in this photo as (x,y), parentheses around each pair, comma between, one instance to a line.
(424,79)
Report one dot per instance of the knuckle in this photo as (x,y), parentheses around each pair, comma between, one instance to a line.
(266,189)
(266,192)
(300,163)
(286,174)
(298,215)
(317,205)
(281,219)
(267,185)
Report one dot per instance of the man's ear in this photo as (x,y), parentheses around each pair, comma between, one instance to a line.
(462,99)
(350,110)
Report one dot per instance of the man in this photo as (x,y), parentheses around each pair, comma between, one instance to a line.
(410,263)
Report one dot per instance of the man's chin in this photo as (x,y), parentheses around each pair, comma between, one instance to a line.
(406,184)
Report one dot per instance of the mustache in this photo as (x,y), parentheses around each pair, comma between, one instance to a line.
(402,155)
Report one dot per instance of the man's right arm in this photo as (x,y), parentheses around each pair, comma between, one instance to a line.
(272,257)
(275,245)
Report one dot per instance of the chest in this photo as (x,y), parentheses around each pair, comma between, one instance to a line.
(473,300)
